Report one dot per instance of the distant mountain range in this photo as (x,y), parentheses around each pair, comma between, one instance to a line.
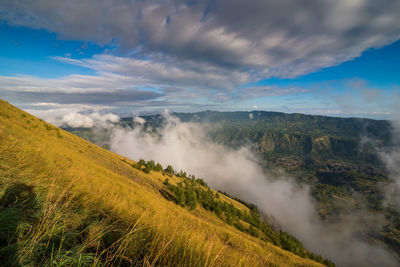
(337,157)
(290,134)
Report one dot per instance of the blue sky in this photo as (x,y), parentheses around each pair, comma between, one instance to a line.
(97,60)
(26,51)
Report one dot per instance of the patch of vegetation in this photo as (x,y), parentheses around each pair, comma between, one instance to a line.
(190,193)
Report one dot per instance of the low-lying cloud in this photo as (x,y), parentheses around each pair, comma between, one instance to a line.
(78,120)
(390,156)
(186,146)
(74,115)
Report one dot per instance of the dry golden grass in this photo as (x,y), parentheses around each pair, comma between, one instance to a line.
(83,188)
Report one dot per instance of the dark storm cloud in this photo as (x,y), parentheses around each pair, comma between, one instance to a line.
(275,38)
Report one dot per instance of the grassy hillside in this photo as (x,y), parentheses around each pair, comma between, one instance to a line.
(65,201)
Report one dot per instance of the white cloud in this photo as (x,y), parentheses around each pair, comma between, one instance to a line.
(120,80)
(76,107)
(278,38)
(161,71)
(139,120)
(76,120)
(70,84)
(73,115)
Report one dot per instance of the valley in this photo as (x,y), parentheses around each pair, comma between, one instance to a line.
(336,157)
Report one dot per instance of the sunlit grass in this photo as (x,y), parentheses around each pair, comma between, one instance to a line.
(74,203)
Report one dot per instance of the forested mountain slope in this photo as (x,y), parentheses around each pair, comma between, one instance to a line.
(290,134)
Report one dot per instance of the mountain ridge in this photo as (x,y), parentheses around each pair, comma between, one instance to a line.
(283,133)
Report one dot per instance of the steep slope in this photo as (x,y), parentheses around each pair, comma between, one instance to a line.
(65,201)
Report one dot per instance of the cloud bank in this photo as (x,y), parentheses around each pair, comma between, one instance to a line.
(126,81)
(186,146)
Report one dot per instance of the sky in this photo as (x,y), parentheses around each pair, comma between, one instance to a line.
(328,57)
